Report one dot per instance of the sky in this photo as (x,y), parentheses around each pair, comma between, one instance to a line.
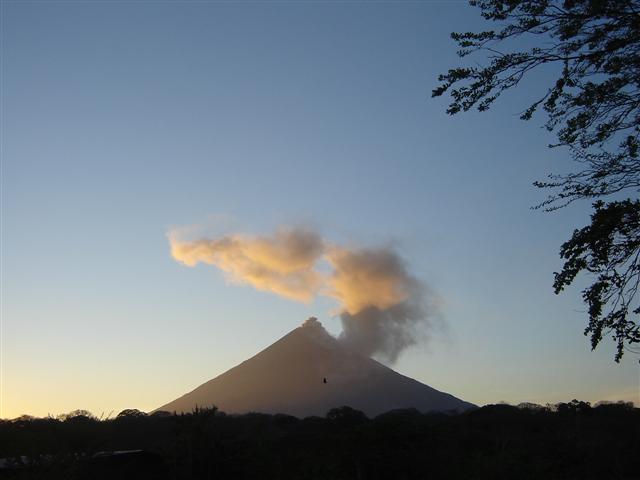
(122,121)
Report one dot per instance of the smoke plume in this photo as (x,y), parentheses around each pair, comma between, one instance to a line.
(383,309)
(382,303)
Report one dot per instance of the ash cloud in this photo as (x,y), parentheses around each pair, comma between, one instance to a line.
(382,307)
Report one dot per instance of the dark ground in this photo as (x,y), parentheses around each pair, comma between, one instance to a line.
(493,442)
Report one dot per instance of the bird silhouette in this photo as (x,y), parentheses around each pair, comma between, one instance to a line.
(324,380)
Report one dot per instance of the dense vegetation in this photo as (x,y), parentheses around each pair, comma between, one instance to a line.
(570,440)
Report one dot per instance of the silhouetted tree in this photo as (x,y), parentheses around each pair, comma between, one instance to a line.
(24,418)
(346,416)
(77,415)
(161,413)
(531,406)
(621,407)
(594,107)
(574,406)
(495,441)
(131,413)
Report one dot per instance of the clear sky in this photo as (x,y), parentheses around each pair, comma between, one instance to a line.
(122,120)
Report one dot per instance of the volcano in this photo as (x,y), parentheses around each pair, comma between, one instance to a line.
(308,372)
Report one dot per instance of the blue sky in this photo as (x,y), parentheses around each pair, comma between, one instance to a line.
(121,120)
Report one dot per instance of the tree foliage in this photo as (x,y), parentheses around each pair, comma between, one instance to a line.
(593,106)
(78,415)
(568,440)
(609,249)
(131,413)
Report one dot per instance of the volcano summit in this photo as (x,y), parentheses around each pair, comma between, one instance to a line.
(308,372)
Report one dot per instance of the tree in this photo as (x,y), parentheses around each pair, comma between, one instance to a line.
(593,49)
(130,413)
(346,416)
(77,414)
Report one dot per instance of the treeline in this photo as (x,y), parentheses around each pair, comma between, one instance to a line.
(570,440)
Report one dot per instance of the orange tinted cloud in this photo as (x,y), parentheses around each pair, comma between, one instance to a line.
(282,263)
(380,304)
(365,278)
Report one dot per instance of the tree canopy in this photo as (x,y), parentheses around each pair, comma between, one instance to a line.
(566,440)
(592,104)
